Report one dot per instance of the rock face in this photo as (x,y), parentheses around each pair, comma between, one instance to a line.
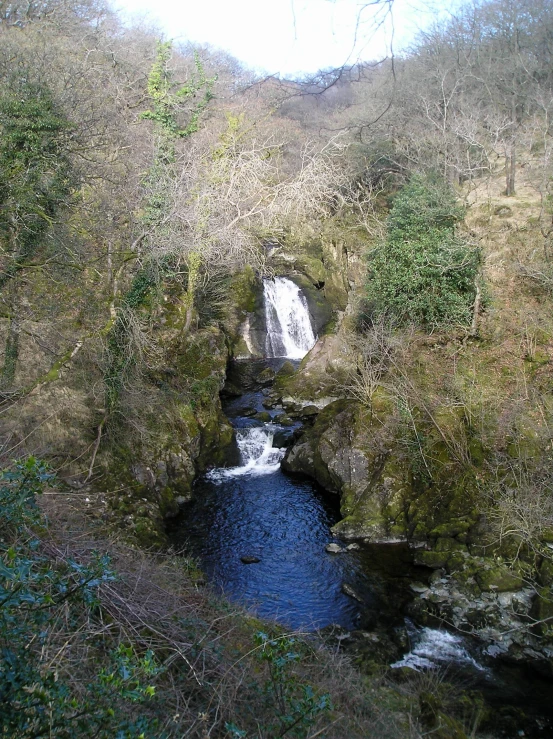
(184,431)
(346,451)
(356,454)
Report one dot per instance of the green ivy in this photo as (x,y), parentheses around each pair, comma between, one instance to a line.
(35,172)
(423,272)
(295,704)
(43,600)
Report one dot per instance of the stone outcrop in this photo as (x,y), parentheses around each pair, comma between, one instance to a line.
(347,451)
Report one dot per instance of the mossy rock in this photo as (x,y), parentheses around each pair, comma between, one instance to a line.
(455,563)
(287,370)
(266,377)
(312,268)
(498,579)
(263,416)
(336,291)
(446,544)
(547,535)
(285,420)
(244,290)
(546,572)
(435,560)
(451,528)
(147,534)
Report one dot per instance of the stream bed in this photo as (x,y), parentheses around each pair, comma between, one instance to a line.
(253,511)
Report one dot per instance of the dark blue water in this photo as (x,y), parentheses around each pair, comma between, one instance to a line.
(286,525)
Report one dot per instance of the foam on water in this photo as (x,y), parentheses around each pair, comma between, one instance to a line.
(257,454)
(433,648)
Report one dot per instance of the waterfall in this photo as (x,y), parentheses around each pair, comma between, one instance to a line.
(289,331)
(257,454)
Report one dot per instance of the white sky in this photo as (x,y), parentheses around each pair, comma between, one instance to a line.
(289,37)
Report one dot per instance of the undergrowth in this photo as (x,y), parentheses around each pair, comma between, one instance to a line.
(128,645)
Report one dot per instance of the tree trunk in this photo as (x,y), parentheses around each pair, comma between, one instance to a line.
(510,162)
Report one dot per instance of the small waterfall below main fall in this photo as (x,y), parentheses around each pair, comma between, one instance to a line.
(289,330)
(258,456)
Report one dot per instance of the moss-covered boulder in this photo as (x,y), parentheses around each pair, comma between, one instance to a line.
(346,451)
(499,579)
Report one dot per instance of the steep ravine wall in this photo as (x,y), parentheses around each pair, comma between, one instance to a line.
(431,457)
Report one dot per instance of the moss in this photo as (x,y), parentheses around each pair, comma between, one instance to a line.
(547,535)
(312,268)
(148,535)
(263,416)
(243,290)
(186,416)
(498,579)
(455,562)
(444,544)
(435,560)
(451,528)
(287,370)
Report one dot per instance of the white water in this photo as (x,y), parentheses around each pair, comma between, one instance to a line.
(257,454)
(433,647)
(289,330)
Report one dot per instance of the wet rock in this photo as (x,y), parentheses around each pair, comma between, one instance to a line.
(285,420)
(334,548)
(271,401)
(231,391)
(248,412)
(284,438)
(264,416)
(291,406)
(249,559)
(352,547)
(266,377)
(309,411)
(351,592)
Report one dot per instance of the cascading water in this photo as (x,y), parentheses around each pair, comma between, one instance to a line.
(257,454)
(289,330)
